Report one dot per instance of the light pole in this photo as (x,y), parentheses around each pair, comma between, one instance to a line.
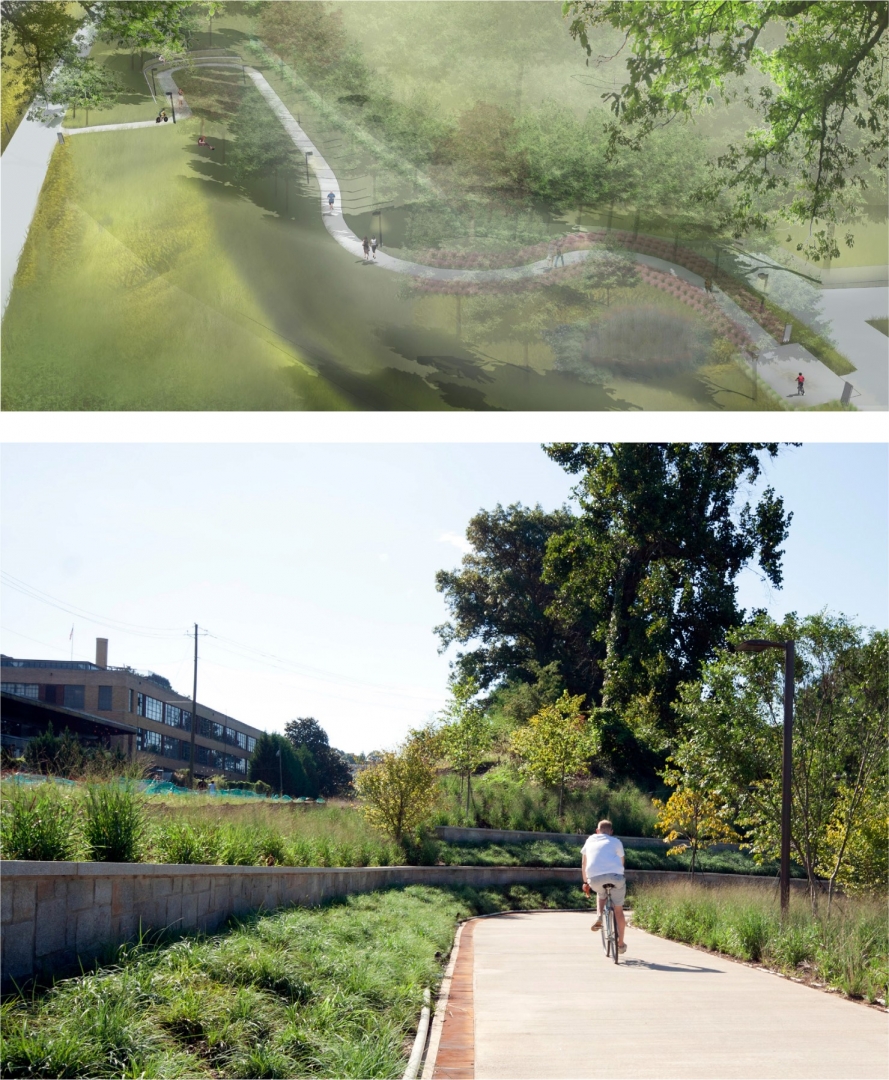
(172,106)
(309,153)
(757,645)
(379,214)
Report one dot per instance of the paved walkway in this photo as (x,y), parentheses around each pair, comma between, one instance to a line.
(868,348)
(547,1003)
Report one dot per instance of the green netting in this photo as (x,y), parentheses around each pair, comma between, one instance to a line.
(38,778)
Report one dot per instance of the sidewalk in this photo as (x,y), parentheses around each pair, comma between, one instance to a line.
(548,1004)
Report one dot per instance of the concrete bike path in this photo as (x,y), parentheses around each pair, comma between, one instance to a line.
(547,1003)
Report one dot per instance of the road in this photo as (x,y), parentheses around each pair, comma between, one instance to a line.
(547,1003)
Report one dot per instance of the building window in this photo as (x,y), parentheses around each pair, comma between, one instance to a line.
(150,708)
(129,700)
(235,764)
(251,744)
(172,715)
(172,747)
(212,730)
(73,698)
(149,741)
(185,720)
(31,690)
(105,698)
(211,758)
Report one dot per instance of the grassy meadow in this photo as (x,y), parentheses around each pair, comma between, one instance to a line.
(846,949)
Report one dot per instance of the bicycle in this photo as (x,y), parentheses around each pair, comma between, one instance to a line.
(609,926)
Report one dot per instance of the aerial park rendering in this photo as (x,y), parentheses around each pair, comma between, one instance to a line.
(444,206)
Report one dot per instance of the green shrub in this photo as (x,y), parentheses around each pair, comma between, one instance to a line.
(36,823)
(186,843)
(114,822)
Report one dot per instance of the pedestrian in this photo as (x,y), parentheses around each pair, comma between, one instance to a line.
(801,385)
(560,255)
(331,198)
(373,246)
(366,245)
(181,102)
(708,285)
(550,255)
(212,787)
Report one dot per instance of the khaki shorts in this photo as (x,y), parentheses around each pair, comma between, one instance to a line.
(618,893)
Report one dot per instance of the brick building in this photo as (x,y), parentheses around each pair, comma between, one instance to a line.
(158,719)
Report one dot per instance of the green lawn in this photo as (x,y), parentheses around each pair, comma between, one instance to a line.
(329,991)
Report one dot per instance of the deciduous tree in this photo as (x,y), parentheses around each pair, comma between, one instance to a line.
(822,101)
(398,792)
(557,743)
(466,735)
(693,820)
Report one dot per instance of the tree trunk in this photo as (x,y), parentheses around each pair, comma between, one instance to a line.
(561,794)
(468,792)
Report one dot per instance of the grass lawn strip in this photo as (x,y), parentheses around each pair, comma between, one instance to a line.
(329,991)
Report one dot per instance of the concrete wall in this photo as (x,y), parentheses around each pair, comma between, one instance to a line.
(57,915)
(455,835)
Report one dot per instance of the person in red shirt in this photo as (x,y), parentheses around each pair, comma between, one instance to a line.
(800,384)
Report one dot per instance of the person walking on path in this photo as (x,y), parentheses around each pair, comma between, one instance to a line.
(366,245)
(550,254)
(560,255)
(373,246)
(800,385)
(602,863)
(331,198)
(181,102)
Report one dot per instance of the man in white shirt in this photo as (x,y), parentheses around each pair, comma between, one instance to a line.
(602,863)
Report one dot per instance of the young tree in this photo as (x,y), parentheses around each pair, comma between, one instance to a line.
(557,743)
(146,24)
(398,792)
(80,82)
(466,734)
(694,818)
(822,110)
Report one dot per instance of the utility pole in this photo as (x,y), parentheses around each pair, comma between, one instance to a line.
(194,707)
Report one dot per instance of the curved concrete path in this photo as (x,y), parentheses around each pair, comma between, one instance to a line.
(547,1003)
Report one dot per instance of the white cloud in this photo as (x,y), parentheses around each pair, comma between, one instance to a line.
(456,540)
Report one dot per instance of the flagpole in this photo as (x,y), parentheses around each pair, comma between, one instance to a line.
(71,639)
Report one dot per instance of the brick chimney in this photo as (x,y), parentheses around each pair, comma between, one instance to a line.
(102,652)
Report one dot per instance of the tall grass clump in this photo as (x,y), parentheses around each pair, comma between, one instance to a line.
(848,950)
(501,799)
(113,822)
(36,823)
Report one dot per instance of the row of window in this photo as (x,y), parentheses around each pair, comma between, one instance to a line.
(153,742)
(31,690)
(72,697)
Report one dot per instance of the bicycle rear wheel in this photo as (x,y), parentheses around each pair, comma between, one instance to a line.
(609,931)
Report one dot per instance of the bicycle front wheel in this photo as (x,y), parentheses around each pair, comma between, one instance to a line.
(609,932)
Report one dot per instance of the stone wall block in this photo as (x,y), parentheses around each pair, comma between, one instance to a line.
(81,893)
(122,895)
(189,911)
(174,912)
(51,927)
(6,903)
(18,950)
(24,899)
(103,891)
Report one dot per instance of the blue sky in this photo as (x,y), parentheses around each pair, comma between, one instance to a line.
(312,565)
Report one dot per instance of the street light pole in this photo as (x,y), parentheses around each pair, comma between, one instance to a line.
(789,648)
(172,106)
(194,707)
(786,775)
(309,154)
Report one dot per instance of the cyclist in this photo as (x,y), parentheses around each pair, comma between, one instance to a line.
(602,863)
(800,384)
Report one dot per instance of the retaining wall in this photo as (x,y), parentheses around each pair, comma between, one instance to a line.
(454,835)
(59,915)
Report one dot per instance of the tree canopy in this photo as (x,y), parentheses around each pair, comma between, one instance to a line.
(818,89)
(628,597)
(325,765)
(275,762)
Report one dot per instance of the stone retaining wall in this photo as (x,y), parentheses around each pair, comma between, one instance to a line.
(59,915)
(455,835)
